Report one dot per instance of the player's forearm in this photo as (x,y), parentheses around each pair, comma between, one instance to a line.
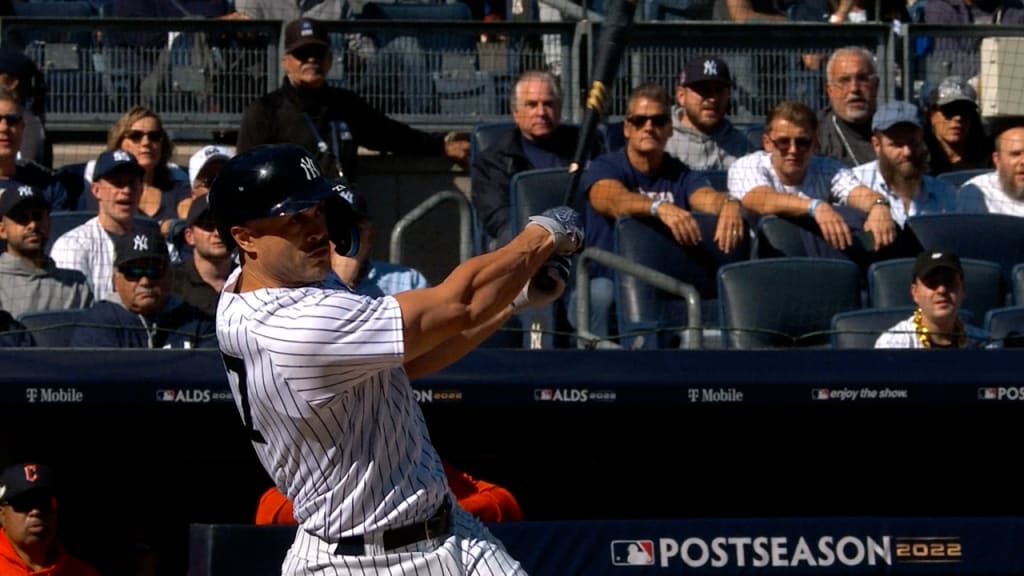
(450,351)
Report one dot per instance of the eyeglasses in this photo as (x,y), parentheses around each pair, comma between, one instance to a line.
(802,143)
(955,109)
(135,273)
(860,79)
(25,215)
(312,51)
(657,120)
(136,135)
(34,500)
(11,119)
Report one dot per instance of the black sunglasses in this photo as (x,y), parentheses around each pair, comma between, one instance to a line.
(658,120)
(136,135)
(802,143)
(307,52)
(11,119)
(135,273)
(24,215)
(957,109)
(34,500)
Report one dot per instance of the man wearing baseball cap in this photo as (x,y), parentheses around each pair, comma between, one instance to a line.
(29,280)
(900,170)
(28,516)
(199,278)
(329,122)
(204,165)
(938,288)
(140,312)
(702,137)
(89,248)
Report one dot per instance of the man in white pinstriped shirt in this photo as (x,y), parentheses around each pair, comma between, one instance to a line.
(321,377)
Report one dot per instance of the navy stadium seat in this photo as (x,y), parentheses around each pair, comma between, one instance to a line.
(52,328)
(1017,280)
(957,178)
(1004,322)
(889,285)
(858,329)
(995,237)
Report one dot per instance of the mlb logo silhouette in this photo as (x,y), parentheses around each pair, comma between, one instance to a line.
(820,394)
(632,552)
(986,393)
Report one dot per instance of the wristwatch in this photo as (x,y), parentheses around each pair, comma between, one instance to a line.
(883,201)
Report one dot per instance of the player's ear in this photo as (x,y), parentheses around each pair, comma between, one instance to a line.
(243,238)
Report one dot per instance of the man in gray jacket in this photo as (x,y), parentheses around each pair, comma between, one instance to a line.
(702,137)
(29,279)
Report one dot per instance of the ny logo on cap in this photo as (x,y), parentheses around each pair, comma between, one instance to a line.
(309,167)
(344,193)
(122,156)
(710,68)
(140,242)
(25,191)
(307,29)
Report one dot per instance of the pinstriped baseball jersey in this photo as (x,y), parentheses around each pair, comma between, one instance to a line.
(90,249)
(318,379)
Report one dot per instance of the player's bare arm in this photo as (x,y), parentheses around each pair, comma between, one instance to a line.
(450,351)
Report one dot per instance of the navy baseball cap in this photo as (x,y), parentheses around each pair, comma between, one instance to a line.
(14,193)
(145,242)
(200,207)
(928,262)
(704,69)
(114,160)
(893,113)
(304,32)
(19,479)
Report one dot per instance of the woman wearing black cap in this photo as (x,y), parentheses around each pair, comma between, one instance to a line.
(955,135)
(21,77)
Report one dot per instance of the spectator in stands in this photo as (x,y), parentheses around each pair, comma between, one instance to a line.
(1002,190)
(643,180)
(199,278)
(538,140)
(899,172)
(702,137)
(29,280)
(938,288)
(330,122)
(959,54)
(203,167)
(12,128)
(359,273)
(789,180)
(22,78)
(844,127)
(955,134)
(28,513)
(288,11)
(142,312)
(89,248)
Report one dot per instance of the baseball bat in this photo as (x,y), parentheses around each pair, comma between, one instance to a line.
(611,44)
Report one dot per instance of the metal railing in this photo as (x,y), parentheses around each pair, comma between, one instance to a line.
(465,223)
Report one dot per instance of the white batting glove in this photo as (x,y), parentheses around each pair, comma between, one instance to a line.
(565,225)
(546,286)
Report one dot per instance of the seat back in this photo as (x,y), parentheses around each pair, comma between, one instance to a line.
(858,329)
(1006,321)
(779,237)
(614,139)
(485,134)
(784,302)
(1017,280)
(889,285)
(427,39)
(63,220)
(533,191)
(719,179)
(957,178)
(52,328)
(994,237)
(643,308)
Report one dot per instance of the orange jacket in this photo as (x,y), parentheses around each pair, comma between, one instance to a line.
(488,502)
(66,565)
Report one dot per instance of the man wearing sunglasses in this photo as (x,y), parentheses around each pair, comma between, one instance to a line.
(789,180)
(642,180)
(29,280)
(28,516)
(703,138)
(331,123)
(200,276)
(12,133)
(141,312)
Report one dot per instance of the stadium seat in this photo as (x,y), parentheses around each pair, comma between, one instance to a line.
(784,302)
(1006,321)
(779,237)
(1017,280)
(956,178)
(485,134)
(994,237)
(889,285)
(641,307)
(63,220)
(533,191)
(753,132)
(52,328)
(614,139)
(858,329)
(719,179)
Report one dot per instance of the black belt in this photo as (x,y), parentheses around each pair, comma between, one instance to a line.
(437,525)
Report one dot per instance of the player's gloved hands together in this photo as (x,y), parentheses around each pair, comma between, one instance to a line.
(565,225)
(546,286)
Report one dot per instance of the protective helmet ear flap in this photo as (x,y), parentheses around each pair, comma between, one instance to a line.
(345,245)
(342,222)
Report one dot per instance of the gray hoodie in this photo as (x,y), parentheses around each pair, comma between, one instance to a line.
(25,288)
(700,151)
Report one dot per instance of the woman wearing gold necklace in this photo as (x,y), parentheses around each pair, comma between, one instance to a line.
(937,287)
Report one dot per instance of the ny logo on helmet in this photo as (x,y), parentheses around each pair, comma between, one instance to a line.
(140,242)
(309,167)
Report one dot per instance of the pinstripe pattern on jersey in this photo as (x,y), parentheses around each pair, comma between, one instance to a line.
(90,249)
(345,438)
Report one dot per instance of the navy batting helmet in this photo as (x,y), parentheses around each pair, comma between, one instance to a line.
(267,181)
(344,211)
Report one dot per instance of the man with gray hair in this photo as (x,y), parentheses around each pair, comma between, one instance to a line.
(844,127)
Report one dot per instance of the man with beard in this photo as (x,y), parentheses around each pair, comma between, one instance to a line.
(702,137)
(28,525)
(1002,190)
(29,280)
(199,278)
(844,127)
(787,179)
(900,172)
